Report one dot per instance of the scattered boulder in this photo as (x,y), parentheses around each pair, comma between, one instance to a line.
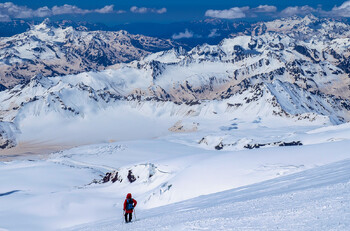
(280,143)
(131,177)
(219,146)
(141,172)
(107,177)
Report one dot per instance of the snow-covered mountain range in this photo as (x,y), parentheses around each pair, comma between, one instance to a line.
(53,51)
(263,76)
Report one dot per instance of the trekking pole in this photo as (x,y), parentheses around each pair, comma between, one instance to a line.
(135,214)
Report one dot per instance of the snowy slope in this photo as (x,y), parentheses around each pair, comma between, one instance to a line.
(66,189)
(316,199)
(105,106)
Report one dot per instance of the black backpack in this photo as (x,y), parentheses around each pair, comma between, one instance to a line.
(129,204)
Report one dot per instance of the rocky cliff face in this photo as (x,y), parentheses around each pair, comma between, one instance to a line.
(7,135)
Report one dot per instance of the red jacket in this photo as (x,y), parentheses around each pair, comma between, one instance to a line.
(134,202)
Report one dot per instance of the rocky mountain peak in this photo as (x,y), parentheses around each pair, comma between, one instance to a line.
(53,51)
(43,25)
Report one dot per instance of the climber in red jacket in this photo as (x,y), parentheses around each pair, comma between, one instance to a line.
(129,205)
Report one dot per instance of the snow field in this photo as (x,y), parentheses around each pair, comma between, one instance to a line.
(316,199)
(58,192)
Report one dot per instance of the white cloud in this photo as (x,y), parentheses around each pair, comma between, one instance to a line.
(4,18)
(213,33)
(68,9)
(9,10)
(140,10)
(298,10)
(144,10)
(162,10)
(120,12)
(42,12)
(181,35)
(13,11)
(342,11)
(246,12)
(265,9)
(105,10)
(240,12)
(235,12)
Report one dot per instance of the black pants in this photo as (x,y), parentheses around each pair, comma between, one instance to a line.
(126,217)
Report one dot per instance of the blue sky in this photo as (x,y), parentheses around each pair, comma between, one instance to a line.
(90,4)
(164,11)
